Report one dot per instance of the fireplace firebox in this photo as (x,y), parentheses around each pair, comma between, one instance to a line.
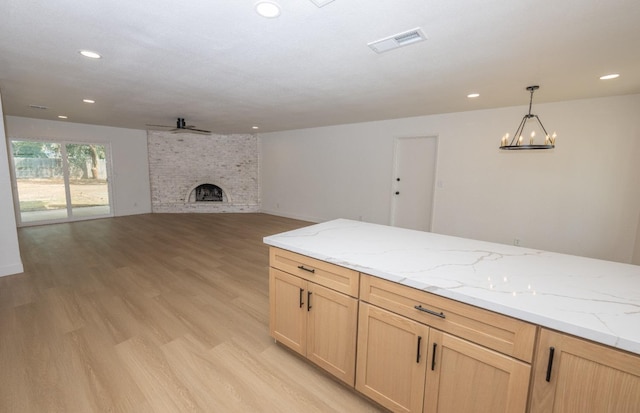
(209,193)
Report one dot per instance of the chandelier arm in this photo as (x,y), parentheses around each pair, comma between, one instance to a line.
(519,130)
(541,125)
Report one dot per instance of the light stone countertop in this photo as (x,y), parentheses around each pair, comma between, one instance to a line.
(593,299)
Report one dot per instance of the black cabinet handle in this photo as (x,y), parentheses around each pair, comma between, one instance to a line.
(301,301)
(426,310)
(308,300)
(397,192)
(302,267)
(418,351)
(550,363)
(433,357)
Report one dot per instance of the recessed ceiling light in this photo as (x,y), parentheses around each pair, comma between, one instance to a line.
(611,76)
(268,9)
(62,117)
(88,101)
(90,54)
(473,95)
(255,127)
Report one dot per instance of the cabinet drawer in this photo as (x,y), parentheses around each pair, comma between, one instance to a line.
(501,333)
(329,275)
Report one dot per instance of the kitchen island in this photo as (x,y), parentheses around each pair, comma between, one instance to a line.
(548,293)
(593,299)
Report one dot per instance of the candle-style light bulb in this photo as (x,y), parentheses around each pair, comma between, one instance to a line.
(546,140)
(520,140)
(553,138)
(533,135)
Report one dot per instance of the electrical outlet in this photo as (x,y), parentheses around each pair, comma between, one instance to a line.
(516,242)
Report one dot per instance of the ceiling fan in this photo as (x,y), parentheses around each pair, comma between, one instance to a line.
(182,127)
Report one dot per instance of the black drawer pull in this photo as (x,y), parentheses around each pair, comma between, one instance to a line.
(550,363)
(309,300)
(418,351)
(302,267)
(426,310)
(301,301)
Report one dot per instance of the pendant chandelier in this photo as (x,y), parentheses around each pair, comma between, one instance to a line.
(517,141)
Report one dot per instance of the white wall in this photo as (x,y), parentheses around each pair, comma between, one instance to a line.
(581,198)
(10,262)
(130,167)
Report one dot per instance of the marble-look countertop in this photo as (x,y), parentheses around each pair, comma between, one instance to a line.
(594,299)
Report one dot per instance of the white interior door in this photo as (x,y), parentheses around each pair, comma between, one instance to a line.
(413,182)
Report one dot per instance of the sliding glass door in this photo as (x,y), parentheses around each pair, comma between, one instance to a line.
(88,183)
(58,182)
(40,180)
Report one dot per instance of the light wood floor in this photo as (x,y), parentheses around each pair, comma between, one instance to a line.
(152,313)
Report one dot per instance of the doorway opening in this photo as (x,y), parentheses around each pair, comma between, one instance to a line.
(60,181)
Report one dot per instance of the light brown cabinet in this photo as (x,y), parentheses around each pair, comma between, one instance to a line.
(465,377)
(392,354)
(501,333)
(317,322)
(287,315)
(575,375)
(409,360)
(417,351)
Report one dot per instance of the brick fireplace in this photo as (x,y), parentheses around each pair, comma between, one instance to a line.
(203,173)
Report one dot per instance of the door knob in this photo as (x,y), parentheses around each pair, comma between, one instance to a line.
(397,193)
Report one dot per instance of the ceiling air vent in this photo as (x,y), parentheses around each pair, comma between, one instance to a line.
(398,40)
(40,107)
(321,3)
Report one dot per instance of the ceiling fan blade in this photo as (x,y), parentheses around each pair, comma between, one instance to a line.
(193,128)
(189,130)
(182,127)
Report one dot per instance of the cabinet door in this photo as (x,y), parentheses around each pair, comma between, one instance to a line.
(584,377)
(288,314)
(465,377)
(391,359)
(331,331)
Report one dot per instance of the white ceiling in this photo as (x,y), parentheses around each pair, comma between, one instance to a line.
(223,67)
